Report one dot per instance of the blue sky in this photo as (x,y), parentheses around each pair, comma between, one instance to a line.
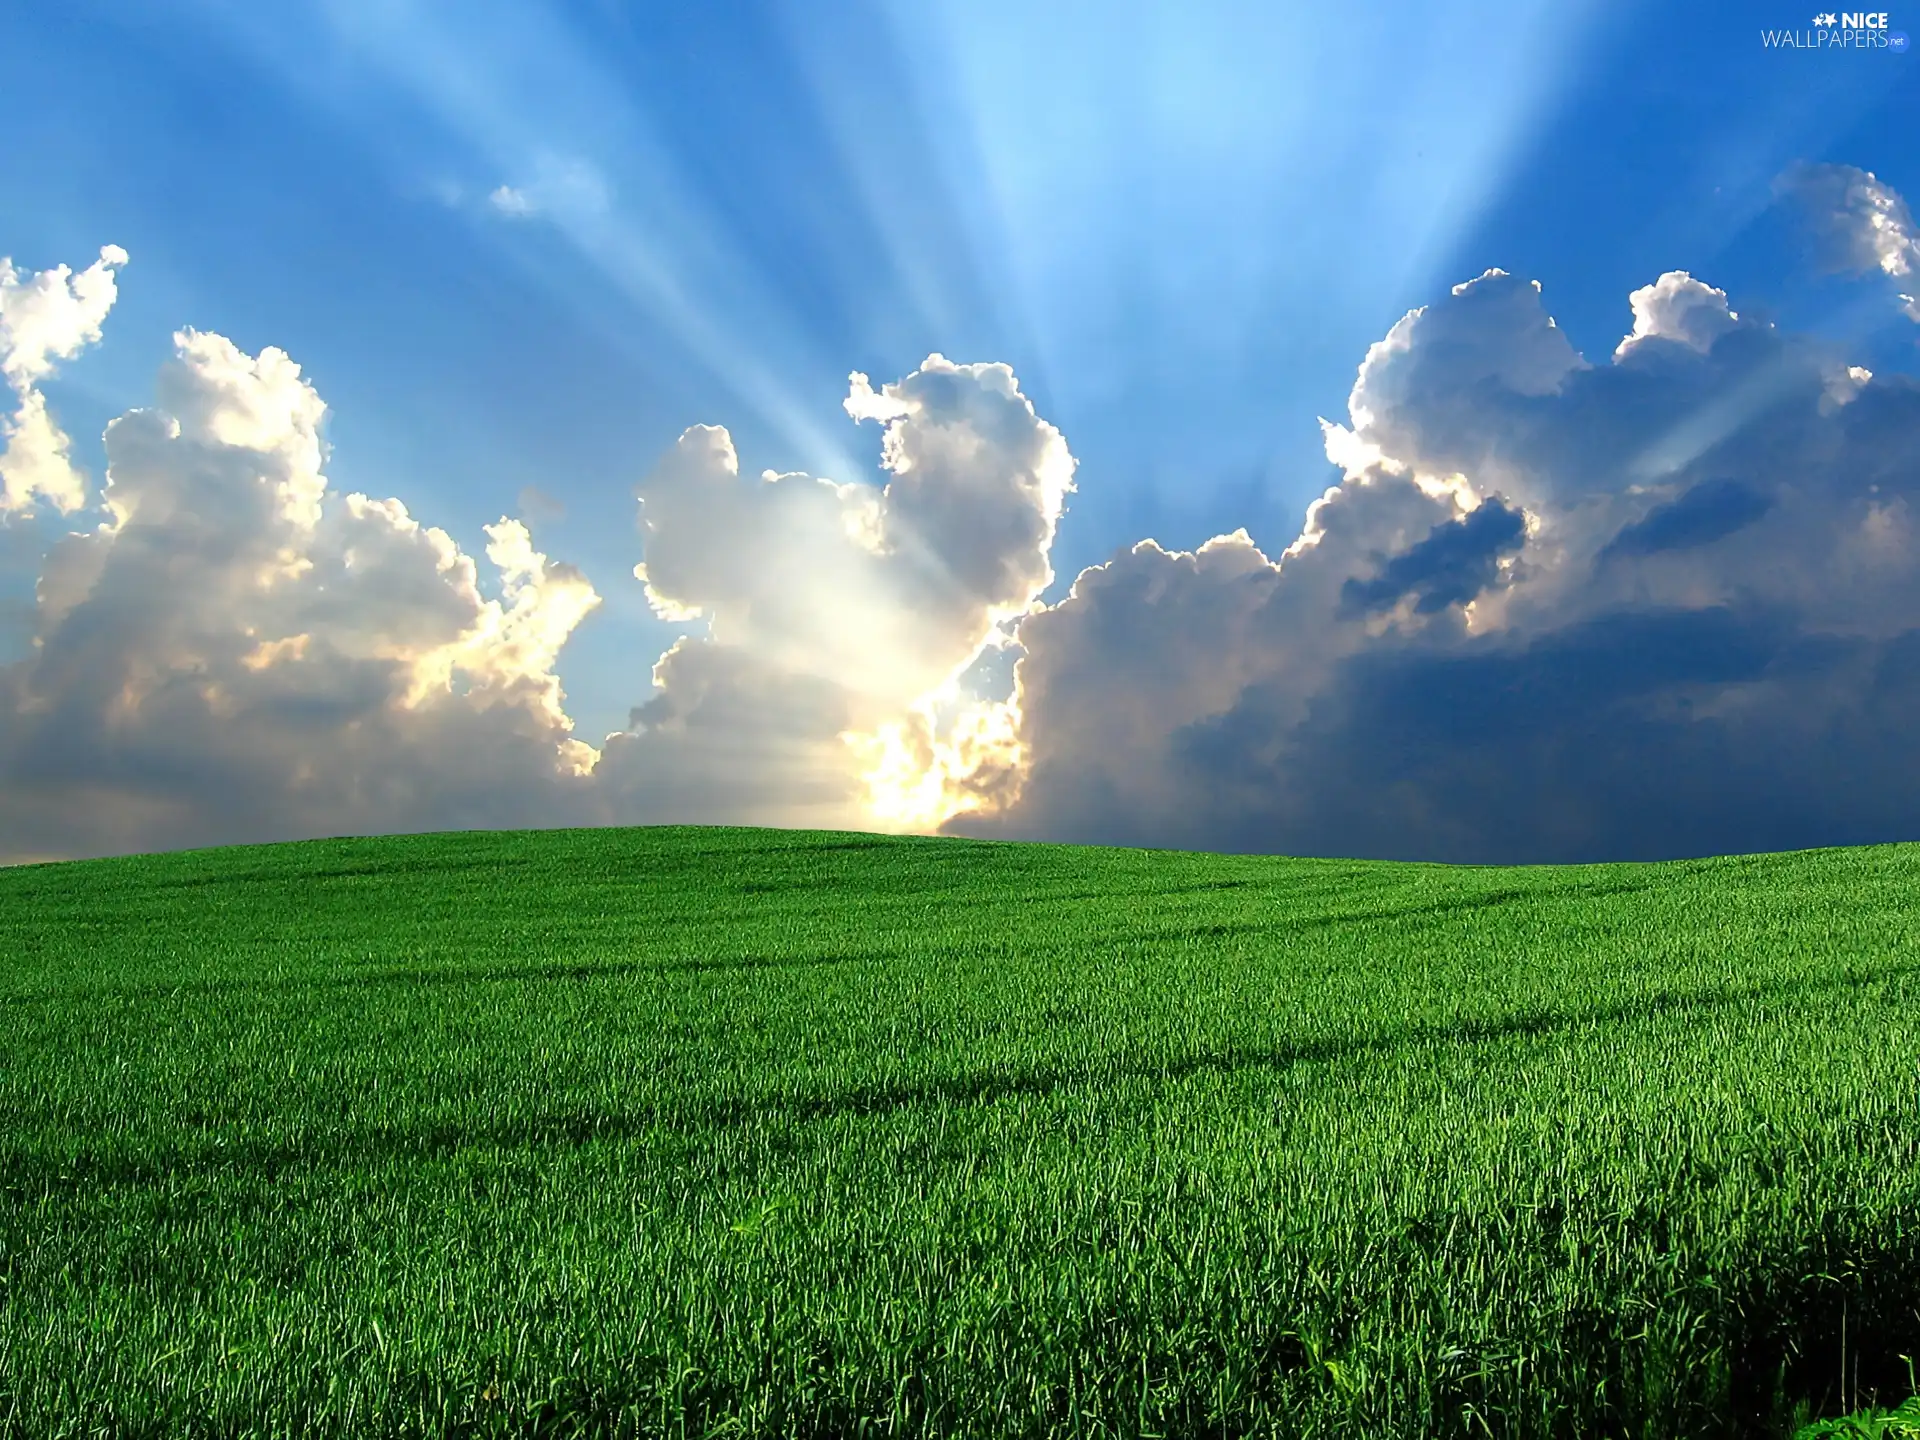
(527,244)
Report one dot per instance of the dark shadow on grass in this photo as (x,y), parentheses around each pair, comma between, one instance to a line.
(1125,887)
(559,970)
(397,866)
(1282,925)
(1278,926)
(696,1114)
(692,843)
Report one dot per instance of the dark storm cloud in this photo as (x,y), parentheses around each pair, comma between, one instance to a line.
(1661,604)
(1710,511)
(1457,560)
(1613,739)
(1690,624)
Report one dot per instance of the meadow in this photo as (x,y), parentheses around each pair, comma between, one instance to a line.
(705,1132)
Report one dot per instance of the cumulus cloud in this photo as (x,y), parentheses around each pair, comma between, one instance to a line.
(1667,603)
(46,317)
(237,653)
(1706,512)
(1554,611)
(1678,307)
(1860,223)
(1455,562)
(839,616)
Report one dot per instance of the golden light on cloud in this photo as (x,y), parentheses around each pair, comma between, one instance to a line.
(664,606)
(270,652)
(917,779)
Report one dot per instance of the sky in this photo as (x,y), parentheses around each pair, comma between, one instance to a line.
(1454,432)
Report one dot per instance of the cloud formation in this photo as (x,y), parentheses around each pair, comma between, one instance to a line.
(1667,603)
(1555,611)
(839,616)
(46,317)
(556,185)
(238,654)
(1860,223)
(516,204)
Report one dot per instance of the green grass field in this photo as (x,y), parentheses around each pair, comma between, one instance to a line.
(731,1132)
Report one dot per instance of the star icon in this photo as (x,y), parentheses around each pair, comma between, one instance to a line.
(1827,19)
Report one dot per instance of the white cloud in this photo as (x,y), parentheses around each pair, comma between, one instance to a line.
(46,317)
(556,185)
(1678,307)
(36,460)
(838,614)
(1550,660)
(1554,610)
(509,201)
(1861,223)
(1843,384)
(51,315)
(237,653)
(1414,400)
